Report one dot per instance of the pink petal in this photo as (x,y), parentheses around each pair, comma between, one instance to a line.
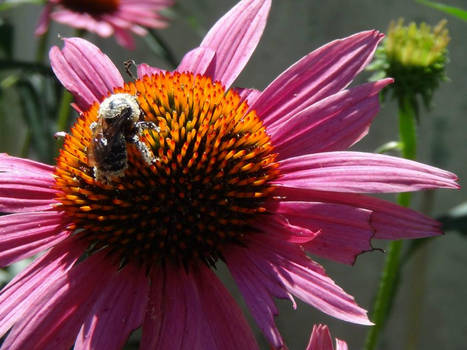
(181,313)
(25,234)
(224,324)
(44,20)
(82,21)
(197,61)
(361,172)
(124,38)
(341,345)
(234,38)
(334,123)
(388,220)
(25,185)
(258,290)
(145,69)
(173,317)
(85,71)
(27,287)
(250,95)
(321,73)
(344,231)
(118,311)
(54,318)
(281,226)
(287,266)
(320,338)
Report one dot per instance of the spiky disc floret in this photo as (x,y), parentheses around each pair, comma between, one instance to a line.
(214,163)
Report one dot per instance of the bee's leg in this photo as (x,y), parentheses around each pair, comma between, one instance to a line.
(144,125)
(147,155)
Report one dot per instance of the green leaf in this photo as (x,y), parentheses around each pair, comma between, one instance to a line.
(6,4)
(6,38)
(450,10)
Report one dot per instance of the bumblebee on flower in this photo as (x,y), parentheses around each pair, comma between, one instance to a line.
(245,177)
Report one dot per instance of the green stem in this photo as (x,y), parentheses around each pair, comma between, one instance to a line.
(389,279)
(166,53)
(41,47)
(64,113)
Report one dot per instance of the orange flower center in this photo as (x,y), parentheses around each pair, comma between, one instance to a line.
(203,179)
(95,7)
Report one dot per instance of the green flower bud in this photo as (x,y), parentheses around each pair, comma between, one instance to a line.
(415,57)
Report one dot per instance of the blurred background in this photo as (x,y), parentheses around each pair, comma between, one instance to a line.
(296,27)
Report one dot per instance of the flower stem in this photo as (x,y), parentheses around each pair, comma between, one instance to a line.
(389,279)
(63,114)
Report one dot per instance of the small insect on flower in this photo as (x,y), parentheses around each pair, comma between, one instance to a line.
(118,123)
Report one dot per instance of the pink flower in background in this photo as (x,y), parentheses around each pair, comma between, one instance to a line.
(106,17)
(321,339)
(251,178)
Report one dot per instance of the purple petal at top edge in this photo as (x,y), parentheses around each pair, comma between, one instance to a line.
(85,71)
(234,38)
(360,172)
(319,74)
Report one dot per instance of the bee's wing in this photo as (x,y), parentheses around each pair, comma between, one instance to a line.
(103,140)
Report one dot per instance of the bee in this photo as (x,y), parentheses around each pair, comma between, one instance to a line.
(118,123)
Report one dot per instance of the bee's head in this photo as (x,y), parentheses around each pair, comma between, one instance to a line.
(119,106)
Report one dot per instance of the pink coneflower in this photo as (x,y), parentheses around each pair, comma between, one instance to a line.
(250,178)
(320,339)
(106,17)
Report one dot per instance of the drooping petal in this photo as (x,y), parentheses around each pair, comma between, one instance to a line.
(54,318)
(320,338)
(173,316)
(223,320)
(286,265)
(388,220)
(332,124)
(344,231)
(181,313)
(85,71)
(361,172)
(25,234)
(118,311)
(25,185)
(234,38)
(197,61)
(321,73)
(258,290)
(17,297)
